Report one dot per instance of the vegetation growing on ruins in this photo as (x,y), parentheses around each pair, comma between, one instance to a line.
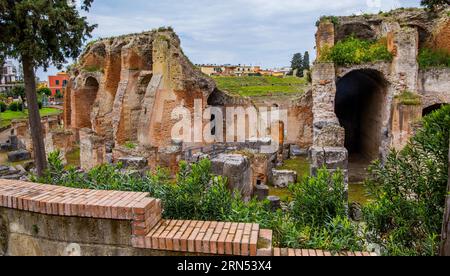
(409,191)
(429,58)
(409,98)
(332,19)
(199,195)
(261,86)
(356,51)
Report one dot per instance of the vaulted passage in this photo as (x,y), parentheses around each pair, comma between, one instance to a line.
(83,101)
(431,109)
(360,104)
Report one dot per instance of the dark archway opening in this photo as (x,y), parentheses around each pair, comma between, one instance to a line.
(360,105)
(431,109)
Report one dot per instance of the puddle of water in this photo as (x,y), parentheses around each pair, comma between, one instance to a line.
(73,158)
(358,193)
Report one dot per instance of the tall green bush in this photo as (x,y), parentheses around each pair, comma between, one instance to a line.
(409,191)
(3,107)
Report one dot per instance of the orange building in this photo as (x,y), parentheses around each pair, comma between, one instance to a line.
(58,83)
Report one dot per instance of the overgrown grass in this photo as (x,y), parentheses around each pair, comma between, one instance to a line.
(261,86)
(409,98)
(356,51)
(429,58)
(8,116)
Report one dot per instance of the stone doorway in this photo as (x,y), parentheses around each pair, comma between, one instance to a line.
(360,106)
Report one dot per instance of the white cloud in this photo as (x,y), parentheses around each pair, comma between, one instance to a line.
(233,31)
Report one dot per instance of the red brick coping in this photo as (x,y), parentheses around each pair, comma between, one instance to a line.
(148,229)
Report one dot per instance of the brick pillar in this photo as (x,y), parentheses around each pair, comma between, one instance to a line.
(445,247)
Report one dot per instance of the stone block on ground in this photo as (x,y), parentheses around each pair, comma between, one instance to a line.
(282,178)
(275,202)
(296,151)
(236,168)
(19,155)
(262,192)
(133,163)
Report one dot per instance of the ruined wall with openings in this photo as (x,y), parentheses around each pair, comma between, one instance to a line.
(383,122)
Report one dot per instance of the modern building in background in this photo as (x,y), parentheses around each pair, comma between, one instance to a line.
(58,83)
(8,76)
(241,70)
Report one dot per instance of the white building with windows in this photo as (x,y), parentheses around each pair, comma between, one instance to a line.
(8,76)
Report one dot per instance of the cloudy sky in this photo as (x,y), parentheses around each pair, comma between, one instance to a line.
(257,32)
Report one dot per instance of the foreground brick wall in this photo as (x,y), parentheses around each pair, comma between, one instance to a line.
(95,222)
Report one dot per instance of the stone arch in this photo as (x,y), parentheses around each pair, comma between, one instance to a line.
(431,108)
(358,29)
(83,100)
(360,106)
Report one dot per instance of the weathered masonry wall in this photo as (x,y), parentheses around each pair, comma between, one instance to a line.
(368,127)
(434,86)
(46,220)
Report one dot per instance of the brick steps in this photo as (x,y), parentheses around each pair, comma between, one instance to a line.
(289,252)
(221,238)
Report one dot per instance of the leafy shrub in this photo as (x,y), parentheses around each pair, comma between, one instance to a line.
(356,51)
(3,107)
(316,199)
(44,91)
(130,145)
(16,106)
(40,104)
(199,195)
(410,190)
(433,58)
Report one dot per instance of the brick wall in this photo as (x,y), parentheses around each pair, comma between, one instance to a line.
(58,220)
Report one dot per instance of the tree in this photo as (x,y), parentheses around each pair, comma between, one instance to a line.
(59,95)
(18,91)
(39,33)
(306,64)
(432,4)
(44,91)
(297,64)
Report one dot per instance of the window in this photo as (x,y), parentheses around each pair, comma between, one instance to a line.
(64,83)
(57,82)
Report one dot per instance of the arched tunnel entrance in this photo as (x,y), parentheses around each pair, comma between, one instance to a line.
(360,105)
(430,109)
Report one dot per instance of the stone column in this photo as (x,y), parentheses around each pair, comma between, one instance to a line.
(92,149)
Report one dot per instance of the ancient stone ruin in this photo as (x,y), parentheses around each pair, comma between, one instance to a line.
(358,112)
(120,102)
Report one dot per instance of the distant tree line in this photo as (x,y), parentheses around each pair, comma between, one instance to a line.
(300,63)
